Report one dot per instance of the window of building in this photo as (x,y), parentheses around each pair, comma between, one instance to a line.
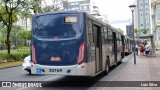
(141,24)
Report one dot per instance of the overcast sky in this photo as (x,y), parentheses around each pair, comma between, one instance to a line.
(118,12)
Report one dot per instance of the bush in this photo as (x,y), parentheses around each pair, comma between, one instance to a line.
(14,56)
(23,47)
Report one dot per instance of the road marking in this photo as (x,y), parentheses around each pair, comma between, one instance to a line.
(22,88)
(53,77)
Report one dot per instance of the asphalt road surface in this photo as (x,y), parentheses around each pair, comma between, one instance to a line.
(18,74)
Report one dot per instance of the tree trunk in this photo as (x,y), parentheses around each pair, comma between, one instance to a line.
(9,27)
(26,24)
(25,35)
(8,41)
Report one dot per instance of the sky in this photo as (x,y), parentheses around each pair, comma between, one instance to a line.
(118,12)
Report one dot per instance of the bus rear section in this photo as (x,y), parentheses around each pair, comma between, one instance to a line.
(57,45)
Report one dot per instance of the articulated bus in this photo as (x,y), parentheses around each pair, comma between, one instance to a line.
(73,43)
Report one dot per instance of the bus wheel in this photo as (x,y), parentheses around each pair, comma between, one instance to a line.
(106,71)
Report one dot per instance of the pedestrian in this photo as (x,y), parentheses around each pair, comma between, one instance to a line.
(147,49)
(137,48)
(142,49)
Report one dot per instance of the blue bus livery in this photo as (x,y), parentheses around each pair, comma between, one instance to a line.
(74,43)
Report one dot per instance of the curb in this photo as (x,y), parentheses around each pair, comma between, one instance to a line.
(11,66)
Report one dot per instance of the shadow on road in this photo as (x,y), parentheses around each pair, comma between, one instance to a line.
(77,81)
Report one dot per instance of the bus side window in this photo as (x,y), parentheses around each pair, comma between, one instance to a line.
(110,37)
(91,38)
(118,38)
(95,35)
(105,35)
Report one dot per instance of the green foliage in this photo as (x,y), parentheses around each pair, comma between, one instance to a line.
(145,31)
(14,55)
(36,5)
(25,34)
(10,9)
(4,15)
(8,15)
(136,31)
(24,47)
(18,36)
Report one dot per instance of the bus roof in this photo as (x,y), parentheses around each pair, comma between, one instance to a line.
(59,12)
(90,16)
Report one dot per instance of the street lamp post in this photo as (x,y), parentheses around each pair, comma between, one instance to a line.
(132,7)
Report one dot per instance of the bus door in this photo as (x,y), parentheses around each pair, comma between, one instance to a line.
(115,46)
(98,47)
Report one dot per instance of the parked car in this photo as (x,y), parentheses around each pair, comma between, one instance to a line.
(27,64)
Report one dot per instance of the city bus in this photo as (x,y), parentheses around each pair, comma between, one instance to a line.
(73,43)
(128,42)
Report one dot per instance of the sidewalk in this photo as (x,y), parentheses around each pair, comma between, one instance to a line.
(145,69)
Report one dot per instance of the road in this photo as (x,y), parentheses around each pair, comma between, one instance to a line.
(18,74)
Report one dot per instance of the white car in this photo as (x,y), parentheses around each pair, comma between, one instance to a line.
(27,64)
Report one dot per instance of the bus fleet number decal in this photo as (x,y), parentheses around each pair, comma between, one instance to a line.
(55,70)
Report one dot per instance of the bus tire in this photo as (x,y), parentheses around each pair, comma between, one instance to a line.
(106,71)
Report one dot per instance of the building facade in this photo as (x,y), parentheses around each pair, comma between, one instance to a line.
(155,7)
(129,31)
(89,6)
(142,17)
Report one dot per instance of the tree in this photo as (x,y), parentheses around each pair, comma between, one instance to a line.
(8,15)
(2,36)
(14,35)
(145,31)
(36,6)
(25,14)
(136,31)
(24,36)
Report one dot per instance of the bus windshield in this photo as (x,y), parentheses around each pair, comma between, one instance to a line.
(58,25)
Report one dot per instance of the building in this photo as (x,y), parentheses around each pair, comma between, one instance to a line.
(24,23)
(129,31)
(102,18)
(155,7)
(142,17)
(88,6)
